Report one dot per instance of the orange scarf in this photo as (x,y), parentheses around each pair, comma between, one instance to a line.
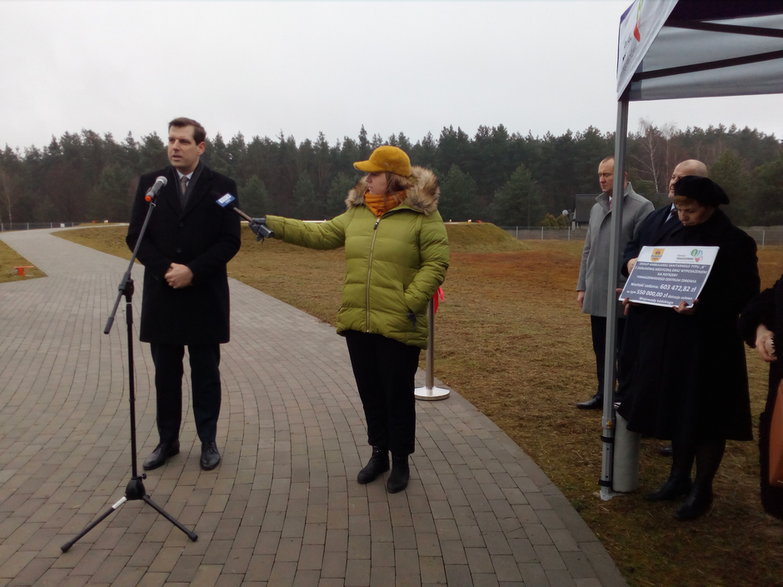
(379,204)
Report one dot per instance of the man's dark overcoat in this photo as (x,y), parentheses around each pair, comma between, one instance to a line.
(767,308)
(690,381)
(204,236)
(653,230)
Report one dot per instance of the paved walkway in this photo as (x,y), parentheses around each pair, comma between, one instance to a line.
(283,508)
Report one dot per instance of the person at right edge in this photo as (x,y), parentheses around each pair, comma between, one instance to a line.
(690,383)
(397,254)
(761,325)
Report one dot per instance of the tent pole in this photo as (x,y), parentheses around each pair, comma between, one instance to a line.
(608,421)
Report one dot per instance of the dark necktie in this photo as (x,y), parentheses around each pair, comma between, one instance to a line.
(183,192)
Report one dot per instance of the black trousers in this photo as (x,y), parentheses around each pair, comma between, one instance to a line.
(385,371)
(205,383)
(598,329)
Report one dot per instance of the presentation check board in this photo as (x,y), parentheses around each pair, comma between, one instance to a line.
(666,276)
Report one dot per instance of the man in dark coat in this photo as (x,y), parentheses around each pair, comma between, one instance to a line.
(188,242)
(660,223)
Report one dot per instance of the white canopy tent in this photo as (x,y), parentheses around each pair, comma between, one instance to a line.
(669,49)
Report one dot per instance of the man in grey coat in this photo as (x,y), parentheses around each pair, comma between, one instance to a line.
(591,286)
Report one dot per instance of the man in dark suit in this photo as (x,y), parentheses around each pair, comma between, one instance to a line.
(188,242)
(662,221)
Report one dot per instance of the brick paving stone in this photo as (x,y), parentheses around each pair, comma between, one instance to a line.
(333,564)
(260,567)
(382,577)
(110,569)
(533,574)
(485,580)
(549,557)
(432,569)
(406,566)
(458,576)
(268,542)
(559,577)
(357,572)
(311,557)
(227,580)
(206,576)
(283,508)
(33,571)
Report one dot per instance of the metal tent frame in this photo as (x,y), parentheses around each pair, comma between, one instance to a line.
(670,49)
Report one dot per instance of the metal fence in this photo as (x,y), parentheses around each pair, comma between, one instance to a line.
(764,235)
(9,226)
(545,233)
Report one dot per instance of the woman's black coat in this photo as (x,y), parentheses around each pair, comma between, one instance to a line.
(689,382)
(204,236)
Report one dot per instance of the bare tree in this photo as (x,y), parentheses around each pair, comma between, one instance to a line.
(650,142)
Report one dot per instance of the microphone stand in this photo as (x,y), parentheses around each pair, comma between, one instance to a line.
(135,488)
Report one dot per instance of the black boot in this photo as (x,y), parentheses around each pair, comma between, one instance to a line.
(378,463)
(679,481)
(699,500)
(698,503)
(398,480)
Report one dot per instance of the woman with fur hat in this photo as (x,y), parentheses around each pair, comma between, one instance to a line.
(397,253)
(690,384)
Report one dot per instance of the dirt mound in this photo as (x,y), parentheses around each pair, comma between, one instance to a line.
(481,237)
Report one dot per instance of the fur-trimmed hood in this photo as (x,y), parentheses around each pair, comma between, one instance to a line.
(423,196)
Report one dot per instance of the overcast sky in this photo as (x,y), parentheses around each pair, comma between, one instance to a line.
(300,68)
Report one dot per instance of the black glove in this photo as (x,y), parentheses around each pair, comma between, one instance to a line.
(261,230)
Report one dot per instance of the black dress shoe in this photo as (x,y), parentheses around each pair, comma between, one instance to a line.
(594,403)
(665,451)
(672,489)
(210,457)
(161,454)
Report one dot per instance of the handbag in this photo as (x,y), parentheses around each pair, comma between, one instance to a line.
(776,440)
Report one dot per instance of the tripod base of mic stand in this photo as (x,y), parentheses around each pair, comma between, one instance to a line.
(133,491)
(431,393)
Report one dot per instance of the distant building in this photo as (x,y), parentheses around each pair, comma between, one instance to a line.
(582,205)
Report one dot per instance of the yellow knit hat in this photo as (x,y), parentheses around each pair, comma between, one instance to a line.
(386,158)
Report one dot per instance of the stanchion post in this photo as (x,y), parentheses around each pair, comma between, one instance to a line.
(625,460)
(429,391)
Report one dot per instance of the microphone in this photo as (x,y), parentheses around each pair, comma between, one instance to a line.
(228,200)
(152,193)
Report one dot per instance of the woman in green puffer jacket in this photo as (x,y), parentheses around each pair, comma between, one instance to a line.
(397,253)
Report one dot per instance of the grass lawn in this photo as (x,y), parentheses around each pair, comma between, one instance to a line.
(510,339)
(10,260)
